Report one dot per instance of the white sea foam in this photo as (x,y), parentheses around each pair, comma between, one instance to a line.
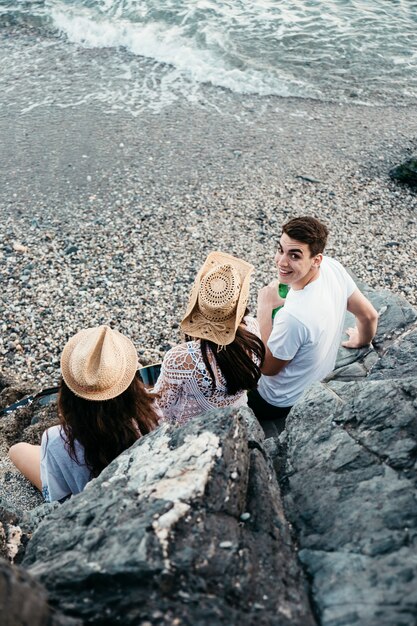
(307,48)
(168,44)
(150,53)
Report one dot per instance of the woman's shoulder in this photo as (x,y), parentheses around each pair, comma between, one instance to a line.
(53,432)
(252,325)
(53,437)
(182,357)
(181,352)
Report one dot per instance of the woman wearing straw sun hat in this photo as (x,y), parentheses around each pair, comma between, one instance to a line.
(223,352)
(103,409)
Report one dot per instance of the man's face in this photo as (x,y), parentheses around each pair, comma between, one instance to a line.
(296,266)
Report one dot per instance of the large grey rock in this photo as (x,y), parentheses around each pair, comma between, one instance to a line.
(186,527)
(24,602)
(350,493)
(349,473)
(399,360)
(396,318)
(406,172)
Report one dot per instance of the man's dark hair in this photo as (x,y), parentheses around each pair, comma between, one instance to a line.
(307,230)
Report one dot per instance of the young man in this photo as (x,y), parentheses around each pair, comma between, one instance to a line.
(303,339)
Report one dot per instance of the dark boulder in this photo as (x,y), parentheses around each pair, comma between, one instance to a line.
(24,602)
(396,319)
(11,391)
(399,360)
(349,478)
(189,526)
(186,527)
(28,422)
(406,172)
(13,534)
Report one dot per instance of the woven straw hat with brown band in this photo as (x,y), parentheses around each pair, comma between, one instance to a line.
(99,363)
(218,299)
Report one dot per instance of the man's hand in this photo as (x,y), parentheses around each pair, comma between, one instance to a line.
(354,340)
(269,298)
(366,321)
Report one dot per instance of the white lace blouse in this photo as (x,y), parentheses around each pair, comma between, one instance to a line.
(185,386)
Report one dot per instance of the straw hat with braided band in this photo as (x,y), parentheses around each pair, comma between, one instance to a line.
(218,299)
(99,363)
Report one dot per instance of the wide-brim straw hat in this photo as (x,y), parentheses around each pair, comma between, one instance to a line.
(99,363)
(218,299)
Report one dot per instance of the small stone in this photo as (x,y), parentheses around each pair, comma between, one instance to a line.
(18,247)
(71,250)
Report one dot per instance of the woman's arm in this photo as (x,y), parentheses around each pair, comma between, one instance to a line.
(27,458)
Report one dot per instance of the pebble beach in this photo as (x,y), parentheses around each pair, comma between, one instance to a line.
(106,219)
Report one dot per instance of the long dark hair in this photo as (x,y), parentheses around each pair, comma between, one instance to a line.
(240,362)
(108,427)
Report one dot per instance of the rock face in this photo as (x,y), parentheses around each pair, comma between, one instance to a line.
(9,392)
(13,536)
(406,172)
(350,478)
(186,527)
(23,601)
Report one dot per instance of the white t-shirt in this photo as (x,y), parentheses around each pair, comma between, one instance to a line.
(61,476)
(307,332)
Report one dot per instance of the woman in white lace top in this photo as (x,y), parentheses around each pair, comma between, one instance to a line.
(223,352)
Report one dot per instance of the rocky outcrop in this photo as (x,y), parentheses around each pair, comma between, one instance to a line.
(406,172)
(349,477)
(9,391)
(186,527)
(23,601)
(189,526)
(13,534)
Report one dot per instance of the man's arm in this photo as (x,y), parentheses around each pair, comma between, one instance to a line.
(268,299)
(366,321)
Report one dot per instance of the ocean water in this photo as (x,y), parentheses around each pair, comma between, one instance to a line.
(135,54)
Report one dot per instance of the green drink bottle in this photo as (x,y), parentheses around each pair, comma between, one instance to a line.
(282,291)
